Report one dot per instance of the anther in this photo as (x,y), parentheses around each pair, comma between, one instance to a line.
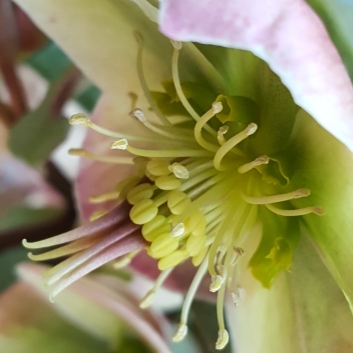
(179,171)
(263,200)
(217,107)
(138,114)
(178,230)
(147,300)
(255,163)
(220,134)
(180,333)
(176,44)
(79,119)
(119,144)
(216,283)
(222,340)
(251,129)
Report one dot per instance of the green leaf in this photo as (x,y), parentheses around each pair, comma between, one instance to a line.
(36,135)
(50,62)
(20,216)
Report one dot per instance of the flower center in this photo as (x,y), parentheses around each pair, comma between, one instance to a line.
(198,193)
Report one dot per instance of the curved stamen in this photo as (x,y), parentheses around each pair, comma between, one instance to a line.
(253,164)
(262,200)
(148,298)
(232,142)
(179,90)
(123,144)
(143,82)
(216,108)
(182,330)
(107,159)
(298,212)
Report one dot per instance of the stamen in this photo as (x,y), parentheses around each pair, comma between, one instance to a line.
(220,134)
(123,144)
(262,200)
(216,108)
(139,115)
(149,297)
(318,210)
(179,90)
(257,162)
(182,330)
(223,339)
(143,82)
(107,159)
(104,197)
(81,119)
(223,150)
(176,44)
(98,214)
(216,283)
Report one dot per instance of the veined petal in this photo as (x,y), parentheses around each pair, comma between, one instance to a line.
(326,167)
(109,311)
(304,311)
(289,36)
(98,37)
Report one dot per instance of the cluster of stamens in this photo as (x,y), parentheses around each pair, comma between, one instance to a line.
(187,203)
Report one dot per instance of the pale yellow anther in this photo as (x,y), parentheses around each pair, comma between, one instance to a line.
(220,134)
(196,223)
(176,44)
(143,212)
(140,192)
(181,333)
(217,107)
(178,202)
(147,300)
(138,114)
(79,119)
(119,145)
(158,167)
(194,244)
(179,171)
(167,182)
(155,227)
(163,245)
(172,260)
(223,339)
(253,164)
(178,230)
(216,283)
(301,193)
(251,129)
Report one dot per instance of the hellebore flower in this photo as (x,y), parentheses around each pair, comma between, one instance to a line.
(223,156)
(91,316)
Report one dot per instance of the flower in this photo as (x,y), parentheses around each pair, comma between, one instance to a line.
(93,316)
(213,175)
